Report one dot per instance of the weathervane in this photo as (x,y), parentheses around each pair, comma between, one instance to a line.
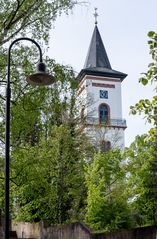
(96,15)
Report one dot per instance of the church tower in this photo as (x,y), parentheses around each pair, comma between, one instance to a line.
(100,97)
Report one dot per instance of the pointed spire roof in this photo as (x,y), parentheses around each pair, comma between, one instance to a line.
(97,62)
(97,56)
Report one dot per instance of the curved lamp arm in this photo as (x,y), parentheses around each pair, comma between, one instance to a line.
(9,53)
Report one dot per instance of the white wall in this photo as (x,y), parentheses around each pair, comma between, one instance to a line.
(114,97)
(90,95)
(99,134)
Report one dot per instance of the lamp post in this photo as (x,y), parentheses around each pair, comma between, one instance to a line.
(39,78)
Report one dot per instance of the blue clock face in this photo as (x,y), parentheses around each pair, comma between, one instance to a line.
(103,94)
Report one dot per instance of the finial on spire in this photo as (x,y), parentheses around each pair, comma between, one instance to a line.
(96,15)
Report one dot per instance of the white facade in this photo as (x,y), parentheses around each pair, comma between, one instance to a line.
(94,93)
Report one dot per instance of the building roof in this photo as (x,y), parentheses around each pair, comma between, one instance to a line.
(97,56)
(97,62)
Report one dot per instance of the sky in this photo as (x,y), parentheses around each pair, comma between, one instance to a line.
(123,25)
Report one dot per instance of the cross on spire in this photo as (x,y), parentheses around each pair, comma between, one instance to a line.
(96,15)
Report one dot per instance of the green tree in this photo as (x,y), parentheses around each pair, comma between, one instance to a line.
(38,116)
(142,180)
(48,152)
(147,172)
(106,203)
(33,19)
(49,186)
(149,106)
(50,141)
(30,17)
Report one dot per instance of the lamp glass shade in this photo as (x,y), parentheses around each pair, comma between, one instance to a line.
(40,79)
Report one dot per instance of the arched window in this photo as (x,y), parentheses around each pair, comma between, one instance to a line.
(105,146)
(104,113)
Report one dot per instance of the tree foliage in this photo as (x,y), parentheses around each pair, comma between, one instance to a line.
(49,180)
(44,138)
(47,151)
(142,154)
(106,204)
(142,180)
(149,106)
(33,17)
(46,163)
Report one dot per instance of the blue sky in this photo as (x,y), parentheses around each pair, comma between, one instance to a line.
(123,25)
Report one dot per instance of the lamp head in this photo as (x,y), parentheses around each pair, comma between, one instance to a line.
(40,78)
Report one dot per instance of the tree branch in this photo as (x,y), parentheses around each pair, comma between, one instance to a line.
(13,14)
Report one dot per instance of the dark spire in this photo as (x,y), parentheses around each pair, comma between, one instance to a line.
(97,56)
(97,62)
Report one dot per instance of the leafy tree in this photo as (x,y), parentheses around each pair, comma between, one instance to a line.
(142,180)
(50,138)
(30,17)
(149,106)
(106,204)
(49,186)
(37,116)
(33,19)
(146,146)
(48,152)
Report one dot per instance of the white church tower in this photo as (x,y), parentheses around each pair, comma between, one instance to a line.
(100,97)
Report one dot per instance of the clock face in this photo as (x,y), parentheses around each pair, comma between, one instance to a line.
(103,94)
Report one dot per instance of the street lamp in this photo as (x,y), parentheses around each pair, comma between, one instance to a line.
(40,78)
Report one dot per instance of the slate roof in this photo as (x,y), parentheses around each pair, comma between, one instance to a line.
(97,62)
(97,56)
